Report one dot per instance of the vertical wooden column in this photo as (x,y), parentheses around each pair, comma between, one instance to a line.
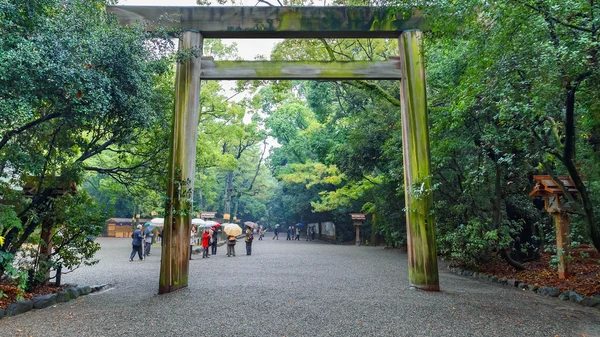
(561,222)
(420,228)
(182,162)
(357,227)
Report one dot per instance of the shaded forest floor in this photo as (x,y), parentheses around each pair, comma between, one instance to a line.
(584,279)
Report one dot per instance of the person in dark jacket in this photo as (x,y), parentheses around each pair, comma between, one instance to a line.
(249,239)
(215,240)
(136,243)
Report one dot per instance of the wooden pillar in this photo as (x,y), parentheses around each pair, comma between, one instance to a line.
(357,227)
(561,222)
(182,163)
(420,229)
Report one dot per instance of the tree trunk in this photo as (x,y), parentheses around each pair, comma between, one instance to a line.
(569,162)
(228,191)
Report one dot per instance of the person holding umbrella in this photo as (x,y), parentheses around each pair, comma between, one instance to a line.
(205,238)
(249,239)
(147,239)
(232,230)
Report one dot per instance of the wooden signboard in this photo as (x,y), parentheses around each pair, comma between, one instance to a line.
(208,215)
(357,216)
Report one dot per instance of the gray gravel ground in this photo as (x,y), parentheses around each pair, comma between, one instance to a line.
(295,289)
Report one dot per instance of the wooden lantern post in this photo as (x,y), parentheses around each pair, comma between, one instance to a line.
(548,188)
(357,220)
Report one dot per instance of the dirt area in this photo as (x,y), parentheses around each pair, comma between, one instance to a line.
(584,279)
(11,293)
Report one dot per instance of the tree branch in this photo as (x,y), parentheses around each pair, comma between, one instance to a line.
(27,126)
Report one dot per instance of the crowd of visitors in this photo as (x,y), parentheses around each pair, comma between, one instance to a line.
(142,239)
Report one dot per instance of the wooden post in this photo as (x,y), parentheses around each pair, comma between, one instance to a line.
(357,234)
(420,229)
(561,222)
(182,162)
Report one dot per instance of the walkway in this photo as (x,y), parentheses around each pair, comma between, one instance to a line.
(291,289)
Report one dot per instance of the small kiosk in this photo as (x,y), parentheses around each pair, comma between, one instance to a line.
(556,203)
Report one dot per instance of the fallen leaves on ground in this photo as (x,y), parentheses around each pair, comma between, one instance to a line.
(584,279)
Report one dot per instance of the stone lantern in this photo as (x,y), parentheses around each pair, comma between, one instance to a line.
(555,203)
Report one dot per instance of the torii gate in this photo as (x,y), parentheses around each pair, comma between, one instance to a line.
(294,22)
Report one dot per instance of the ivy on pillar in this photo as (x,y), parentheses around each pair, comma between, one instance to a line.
(420,227)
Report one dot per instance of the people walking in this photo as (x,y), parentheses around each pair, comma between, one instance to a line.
(205,239)
(192,240)
(136,243)
(289,233)
(260,233)
(297,234)
(231,246)
(147,239)
(215,241)
(312,232)
(307,233)
(249,239)
(276,231)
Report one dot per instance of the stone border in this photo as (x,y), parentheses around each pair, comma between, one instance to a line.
(70,292)
(570,295)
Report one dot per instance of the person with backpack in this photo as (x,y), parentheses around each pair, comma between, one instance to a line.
(231,246)
(249,239)
(136,243)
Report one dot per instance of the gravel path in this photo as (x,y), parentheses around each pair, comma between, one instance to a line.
(295,289)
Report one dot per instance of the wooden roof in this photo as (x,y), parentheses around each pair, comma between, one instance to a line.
(546,185)
(276,22)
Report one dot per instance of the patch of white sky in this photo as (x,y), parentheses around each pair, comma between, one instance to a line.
(248,49)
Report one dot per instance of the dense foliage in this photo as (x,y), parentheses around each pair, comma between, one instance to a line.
(512,91)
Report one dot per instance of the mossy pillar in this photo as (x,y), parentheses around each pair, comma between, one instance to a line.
(420,229)
(182,162)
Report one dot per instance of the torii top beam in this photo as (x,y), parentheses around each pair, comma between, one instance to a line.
(276,22)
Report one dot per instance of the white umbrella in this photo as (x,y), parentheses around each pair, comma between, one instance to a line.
(208,223)
(197,221)
(158,222)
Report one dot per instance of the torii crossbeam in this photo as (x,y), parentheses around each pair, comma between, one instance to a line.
(199,22)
